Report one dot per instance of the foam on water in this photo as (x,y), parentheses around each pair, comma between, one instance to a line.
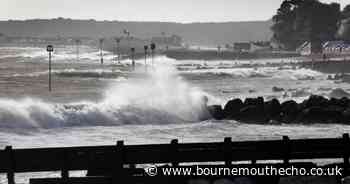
(271,72)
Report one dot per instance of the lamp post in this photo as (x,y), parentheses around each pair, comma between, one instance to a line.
(146,52)
(133,58)
(101,49)
(127,33)
(49,49)
(153,47)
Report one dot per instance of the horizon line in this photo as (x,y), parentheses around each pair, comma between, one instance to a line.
(146,21)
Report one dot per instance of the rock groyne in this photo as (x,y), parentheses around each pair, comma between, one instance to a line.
(315,109)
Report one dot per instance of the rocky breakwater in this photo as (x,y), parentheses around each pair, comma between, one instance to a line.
(315,109)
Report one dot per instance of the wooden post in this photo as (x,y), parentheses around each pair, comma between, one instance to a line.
(118,162)
(174,150)
(120,152)
(65,167)
(228,150)
(11,168)
(286,143)
(346,142)
(253,162)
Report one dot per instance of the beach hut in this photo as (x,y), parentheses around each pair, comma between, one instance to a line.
(336,47)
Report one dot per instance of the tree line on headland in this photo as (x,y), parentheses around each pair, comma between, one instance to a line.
(192,33)
(297,21)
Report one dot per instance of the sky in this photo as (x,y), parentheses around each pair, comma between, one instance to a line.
(184,11)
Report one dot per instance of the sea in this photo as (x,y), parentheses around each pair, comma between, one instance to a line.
(98,104)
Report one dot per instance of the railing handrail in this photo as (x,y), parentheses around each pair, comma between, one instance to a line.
(50,159)
(112,157)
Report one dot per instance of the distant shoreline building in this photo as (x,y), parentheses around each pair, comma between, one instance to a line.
(338,47)
(173,40)
(252,46)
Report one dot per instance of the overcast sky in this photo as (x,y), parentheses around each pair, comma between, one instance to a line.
(144,10)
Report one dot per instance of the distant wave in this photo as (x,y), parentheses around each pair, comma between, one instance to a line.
(103,73)
(273,72)
(62,54)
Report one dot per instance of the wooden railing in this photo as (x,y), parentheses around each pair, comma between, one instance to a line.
(112,158)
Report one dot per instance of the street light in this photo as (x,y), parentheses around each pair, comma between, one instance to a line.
(127,33)
(153,47)
(49,49)
(146,52)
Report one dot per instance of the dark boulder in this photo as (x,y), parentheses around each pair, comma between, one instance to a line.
(216,112)
(335,108)
(333,115)
(232,108)
(345,102)
(346,116)
(252,114)
(319,114)
(342,102)
(254,101)
(289,111)
(315,100)
(273,109)
(334,102)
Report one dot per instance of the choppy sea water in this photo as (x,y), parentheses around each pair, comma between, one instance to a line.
(94,104)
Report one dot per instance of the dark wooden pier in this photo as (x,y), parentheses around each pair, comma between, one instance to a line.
(116,163)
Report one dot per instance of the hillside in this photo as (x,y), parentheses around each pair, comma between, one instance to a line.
(194,33)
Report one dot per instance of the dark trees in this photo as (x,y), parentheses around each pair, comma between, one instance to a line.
(298,21)
(346,12)
(344,30)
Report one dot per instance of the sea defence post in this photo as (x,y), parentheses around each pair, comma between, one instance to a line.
(111,160)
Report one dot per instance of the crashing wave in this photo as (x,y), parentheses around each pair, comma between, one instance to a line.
(161,98)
